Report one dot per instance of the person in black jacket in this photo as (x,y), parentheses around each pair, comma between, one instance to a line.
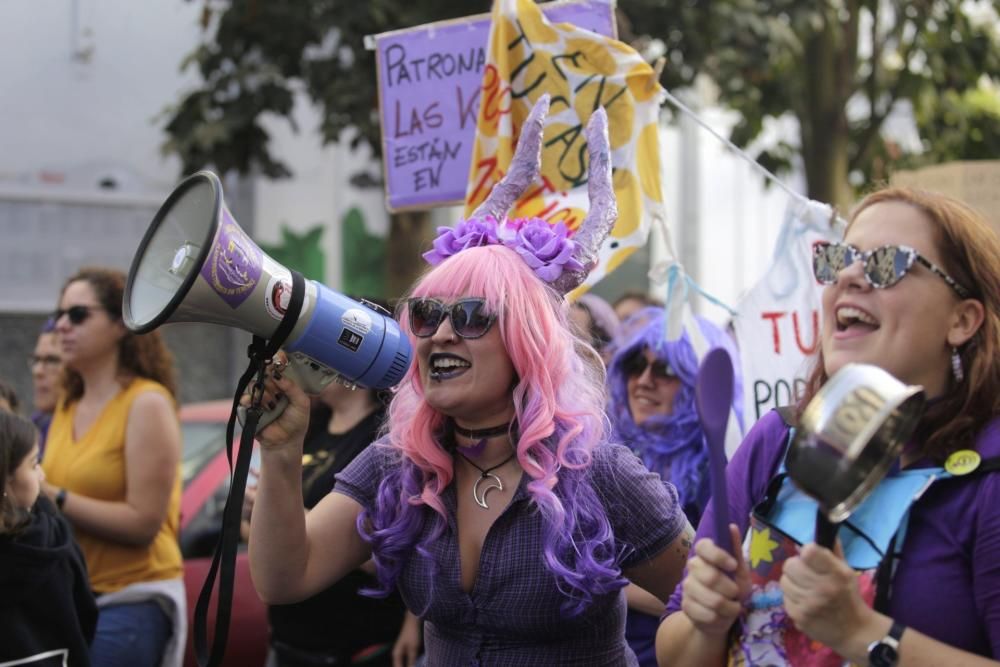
(338,626)
(47,612)
(334,626)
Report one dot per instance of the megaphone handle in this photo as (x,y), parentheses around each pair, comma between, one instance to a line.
(311,381)
(826,530)
(266,417)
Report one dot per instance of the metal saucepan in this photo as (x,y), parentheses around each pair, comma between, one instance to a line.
(848,437)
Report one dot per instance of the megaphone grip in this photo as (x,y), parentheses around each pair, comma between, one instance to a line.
(294,371)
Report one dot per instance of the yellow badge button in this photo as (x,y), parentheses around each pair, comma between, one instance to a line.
(962,462)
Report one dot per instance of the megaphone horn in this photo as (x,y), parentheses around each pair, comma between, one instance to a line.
(196,264)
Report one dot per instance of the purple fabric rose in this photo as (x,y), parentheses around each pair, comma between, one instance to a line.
(546,248)
(466,234)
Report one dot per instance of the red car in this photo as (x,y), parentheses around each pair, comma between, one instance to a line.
(205,472)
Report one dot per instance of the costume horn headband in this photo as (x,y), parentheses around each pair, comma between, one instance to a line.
(524,166)
(557,259)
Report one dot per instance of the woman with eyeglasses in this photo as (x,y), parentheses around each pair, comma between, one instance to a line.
(494,503)
(337,623)
(45,364)
(915,290)
(112,468)
(651,382)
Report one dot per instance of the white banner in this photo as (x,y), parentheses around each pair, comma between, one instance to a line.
(778,321)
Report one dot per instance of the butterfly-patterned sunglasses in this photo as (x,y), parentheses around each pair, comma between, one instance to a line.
(883,267)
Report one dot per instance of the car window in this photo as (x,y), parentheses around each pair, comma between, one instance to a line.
(202,441)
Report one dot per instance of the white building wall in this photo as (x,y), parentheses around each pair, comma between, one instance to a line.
(82,82)
(740,216)
(320,192)
(85,85)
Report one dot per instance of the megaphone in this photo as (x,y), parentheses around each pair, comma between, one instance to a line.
(196,264)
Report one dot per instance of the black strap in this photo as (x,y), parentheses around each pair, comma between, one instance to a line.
(890,561)
(790,418)
(989,465)
(764,507)
(224,558)
(883,577)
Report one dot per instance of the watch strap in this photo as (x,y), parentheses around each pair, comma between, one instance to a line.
(61,498)
(885,652)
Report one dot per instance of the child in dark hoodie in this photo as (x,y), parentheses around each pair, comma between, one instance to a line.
(47,612)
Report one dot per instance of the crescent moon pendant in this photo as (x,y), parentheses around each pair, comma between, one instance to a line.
(495,483)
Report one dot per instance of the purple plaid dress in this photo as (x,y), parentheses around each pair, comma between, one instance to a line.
(513,616)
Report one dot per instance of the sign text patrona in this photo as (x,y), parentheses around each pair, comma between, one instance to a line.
(429,81)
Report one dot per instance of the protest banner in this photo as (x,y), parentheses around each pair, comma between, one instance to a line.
(429,83)
(581,71)
(777,324)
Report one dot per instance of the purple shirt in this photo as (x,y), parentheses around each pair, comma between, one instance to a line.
(512,617)
(947,584)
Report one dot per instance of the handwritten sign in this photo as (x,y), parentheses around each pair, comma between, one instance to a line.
(429,82)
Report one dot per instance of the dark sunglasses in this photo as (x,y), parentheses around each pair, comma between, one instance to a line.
(76,314)
(45,360)
(469,317)
(883,267)
(636,364)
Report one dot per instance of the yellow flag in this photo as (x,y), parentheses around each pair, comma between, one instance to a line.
(581,71)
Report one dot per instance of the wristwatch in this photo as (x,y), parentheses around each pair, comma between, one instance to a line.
(885,652)
(60,498)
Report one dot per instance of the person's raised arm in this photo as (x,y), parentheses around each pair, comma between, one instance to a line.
(714,588)
(823,600)
(295,555)
(152,453)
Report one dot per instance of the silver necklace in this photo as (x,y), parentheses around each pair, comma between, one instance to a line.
(486,475)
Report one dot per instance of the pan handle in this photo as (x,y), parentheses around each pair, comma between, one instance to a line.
(826,530)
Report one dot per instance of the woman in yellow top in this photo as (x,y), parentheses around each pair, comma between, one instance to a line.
(112,467)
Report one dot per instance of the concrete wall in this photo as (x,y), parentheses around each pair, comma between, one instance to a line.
(83,82)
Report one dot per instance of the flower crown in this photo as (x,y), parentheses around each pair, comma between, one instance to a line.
(557,259)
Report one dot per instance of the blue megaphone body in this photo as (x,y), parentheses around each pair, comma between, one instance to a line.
(196,264)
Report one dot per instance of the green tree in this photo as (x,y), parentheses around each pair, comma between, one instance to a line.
(958,126)
(257,54)
(840,67)
(300,252)
(359,253)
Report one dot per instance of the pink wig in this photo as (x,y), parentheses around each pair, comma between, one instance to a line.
(559,402)
(554,386)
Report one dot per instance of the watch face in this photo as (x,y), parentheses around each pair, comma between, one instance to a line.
(882,655)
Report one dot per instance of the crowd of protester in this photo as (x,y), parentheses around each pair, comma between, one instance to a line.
(525,495)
